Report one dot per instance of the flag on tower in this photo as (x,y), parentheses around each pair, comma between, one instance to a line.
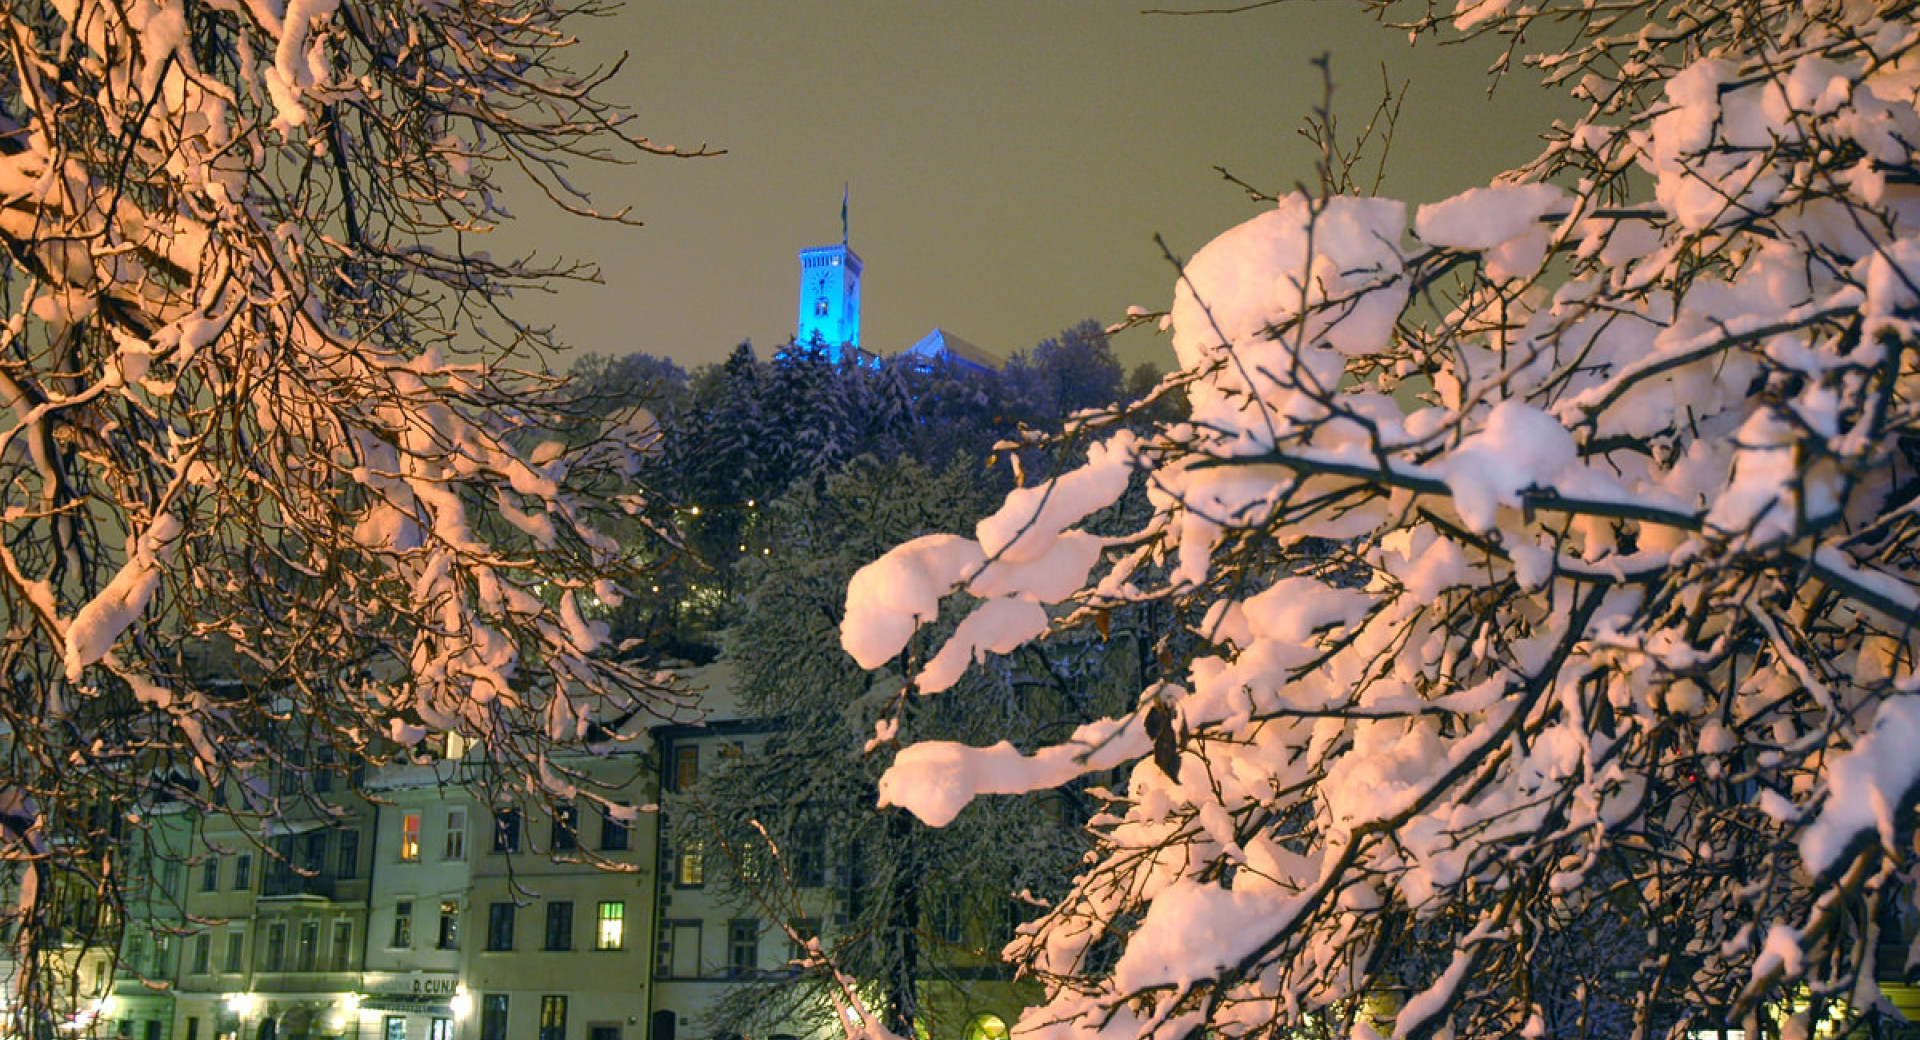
(843,213)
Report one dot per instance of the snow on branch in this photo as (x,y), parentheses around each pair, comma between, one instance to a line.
(1542,577)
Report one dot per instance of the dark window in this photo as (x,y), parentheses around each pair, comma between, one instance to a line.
(493,1016)
(804,930)
(560,925)
(499,926)
(449,925)
(686,767)
(313,858)
(202,953)
(743,946)
(566,828)
(402,924)
(348,866)
(613,832)
(506,830)
(603,1031)
(276,947)
(343,946)
(193,1028)
(243,872)
(810,857)
(236,953)
(309,945)
(553,1018)
(210,874)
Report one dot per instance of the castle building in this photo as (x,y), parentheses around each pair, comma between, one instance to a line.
(829,315)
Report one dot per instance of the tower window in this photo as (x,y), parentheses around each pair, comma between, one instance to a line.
(820,308)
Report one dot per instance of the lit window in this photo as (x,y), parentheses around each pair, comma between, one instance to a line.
(612,933)
(410,838)
(553,1018)
(987,1027)
(820,308)
(440,1029)
(396,1027)
(691,871)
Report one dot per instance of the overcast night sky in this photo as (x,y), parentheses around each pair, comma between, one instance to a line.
(1010,162)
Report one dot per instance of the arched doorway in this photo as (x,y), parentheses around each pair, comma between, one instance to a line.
(269,1030)
(663,1025)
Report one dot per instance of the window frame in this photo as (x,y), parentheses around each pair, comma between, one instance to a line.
(553,1017)
(494,1008)
(610,929)
(559,932)
(500,927)
(410,837)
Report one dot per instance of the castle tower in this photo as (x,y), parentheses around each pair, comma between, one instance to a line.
(830,297)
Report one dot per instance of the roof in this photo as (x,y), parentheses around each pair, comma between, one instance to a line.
(943,344)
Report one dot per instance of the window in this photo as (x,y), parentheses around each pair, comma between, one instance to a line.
(810,856)
(559,925)
(804,930)
(611,933)
(276,947)
(410,837)
(553,1018)
(236,953)
(493,1016)
(440,1029)
(678,951)
(342,946)
(690,870)
(202,953)
(613,830)
(313,854)
(396,1028)
(947,920)
(402,925)
(686,767)
(743,946)
(170,879)
(565,834)
(449,925)
(242,871)
(456,834)
(325,763)
(348,861)
(500,926)
(136,949)
(820,307)
(506,830)
(603,1031)
(309,945)
(210,874)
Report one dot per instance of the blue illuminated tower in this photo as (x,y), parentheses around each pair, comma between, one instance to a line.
(830,297)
